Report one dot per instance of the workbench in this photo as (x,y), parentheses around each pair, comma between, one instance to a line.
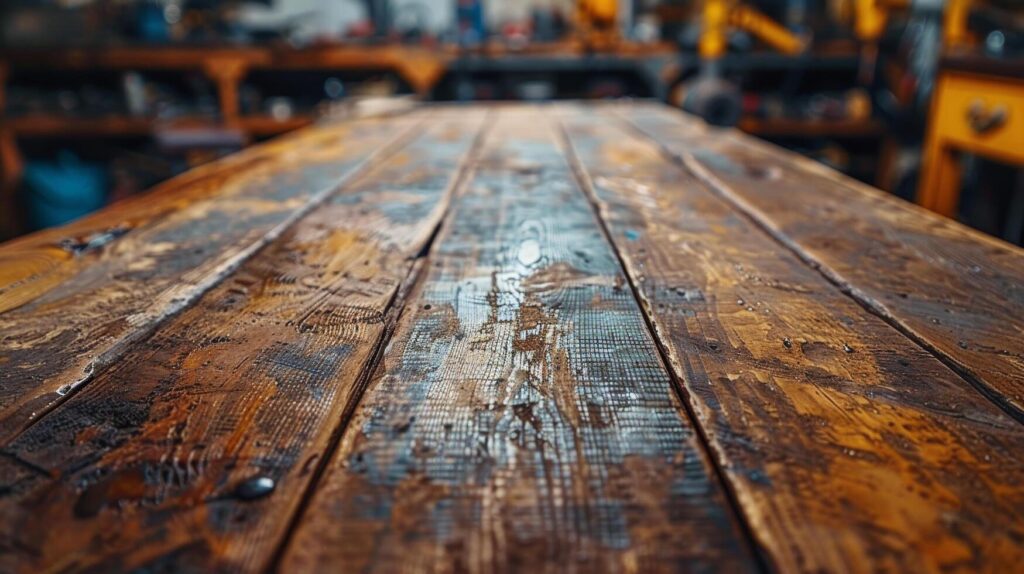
(565,338)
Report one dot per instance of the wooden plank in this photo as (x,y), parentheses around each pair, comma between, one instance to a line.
(848,447)
(33,264)
(91,296)
(521,417)
(148,467)
(957,292)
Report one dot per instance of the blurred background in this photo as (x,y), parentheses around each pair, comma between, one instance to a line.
(102,99)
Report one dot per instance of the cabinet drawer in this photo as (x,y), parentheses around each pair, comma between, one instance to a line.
(982,114)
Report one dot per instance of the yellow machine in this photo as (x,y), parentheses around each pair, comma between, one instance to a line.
(871,16)
(600,13)
(597,20)
(870,19)
(719,102)
(719,16)
(710,96)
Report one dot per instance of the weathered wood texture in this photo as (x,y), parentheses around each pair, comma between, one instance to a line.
(957,292)
(636,344)
(849,447)
(72,305)
(521,419)
(142,468)
(33,264)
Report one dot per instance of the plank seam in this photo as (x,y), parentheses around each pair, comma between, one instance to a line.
(692,165)
(395,308)
(107,359)
(586,186)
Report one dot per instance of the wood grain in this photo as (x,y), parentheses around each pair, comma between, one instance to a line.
(636,344)
(76,305)
(146,468)
(849,448)
(521,419)
(33,264)
(957,292)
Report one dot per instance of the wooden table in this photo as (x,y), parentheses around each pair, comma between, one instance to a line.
(512,338)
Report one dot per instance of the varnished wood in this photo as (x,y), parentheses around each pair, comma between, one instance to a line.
(511,338)
(73,305)
(955,291)
(143,468)
(826,419)
(20,285)
(521,419)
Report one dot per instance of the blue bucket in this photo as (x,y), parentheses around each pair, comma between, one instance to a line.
(63,190)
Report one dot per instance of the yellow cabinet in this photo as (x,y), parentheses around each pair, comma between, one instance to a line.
(974,112)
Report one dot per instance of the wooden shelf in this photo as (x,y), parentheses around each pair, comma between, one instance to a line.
(266,125)
(45,125)
(813,128)
(418,66)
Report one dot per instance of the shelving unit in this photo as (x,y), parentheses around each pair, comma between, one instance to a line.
(812,128)
(229,74)
(225,68)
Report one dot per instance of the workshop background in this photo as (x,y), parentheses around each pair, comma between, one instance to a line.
(103,99)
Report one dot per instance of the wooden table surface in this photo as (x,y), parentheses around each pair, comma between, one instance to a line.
(512,338)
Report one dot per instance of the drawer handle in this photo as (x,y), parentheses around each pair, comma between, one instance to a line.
(983,121)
